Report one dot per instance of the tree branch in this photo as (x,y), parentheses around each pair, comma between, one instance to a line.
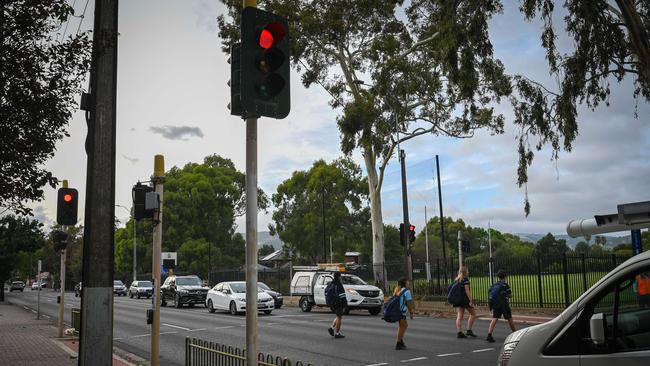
(384,163)
(418,44)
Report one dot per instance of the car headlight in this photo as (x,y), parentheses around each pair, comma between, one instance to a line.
(506,353)
(279,296)
(352,291)
(381,294)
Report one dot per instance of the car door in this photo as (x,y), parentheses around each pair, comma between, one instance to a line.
(217,297)
(319,288)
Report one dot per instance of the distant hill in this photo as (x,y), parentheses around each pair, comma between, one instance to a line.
(612,241)
(264,237)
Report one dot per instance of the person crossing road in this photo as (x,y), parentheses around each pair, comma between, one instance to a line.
(339,302)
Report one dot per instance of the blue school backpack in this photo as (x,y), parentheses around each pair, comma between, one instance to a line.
(455,293)
(495,295)
(392,311)
(331,297)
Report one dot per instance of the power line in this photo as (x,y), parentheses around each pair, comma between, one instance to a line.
(82,17)
(67,22)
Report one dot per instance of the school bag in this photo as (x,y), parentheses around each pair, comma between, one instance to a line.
(392,311)
(455,293)
(496,295)
(331,297)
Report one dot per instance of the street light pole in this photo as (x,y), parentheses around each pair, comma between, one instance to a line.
(490,249)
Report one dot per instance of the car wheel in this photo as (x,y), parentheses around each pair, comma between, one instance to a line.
(137,295)
(233,308)
(21,290)
(163,302)
(374,311)
(304,304)
(177,302)
(267,312)
(210,306)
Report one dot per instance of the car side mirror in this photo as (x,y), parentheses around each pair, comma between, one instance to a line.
(226,291)
(597,326)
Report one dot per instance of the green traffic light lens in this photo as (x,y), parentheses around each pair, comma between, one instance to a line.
(270,86)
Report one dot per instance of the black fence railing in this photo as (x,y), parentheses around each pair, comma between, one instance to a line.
(204,353)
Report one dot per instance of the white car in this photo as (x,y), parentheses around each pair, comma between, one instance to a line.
(35,285)
(608,325)
(231,296)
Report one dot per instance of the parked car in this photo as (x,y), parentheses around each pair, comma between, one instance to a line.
(608,324)
(183,290)
(35,285)
(277,297)
(141,289)
(77,289)
(310,286)
(118,288)
(17,286)
(231,296)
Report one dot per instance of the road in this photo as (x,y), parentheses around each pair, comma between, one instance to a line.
(289,333)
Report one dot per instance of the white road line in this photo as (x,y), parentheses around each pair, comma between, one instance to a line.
(271,323)
(25,307)
(140,335)
(288,316)
(228,327)
(168,333)
(46,317)
(243,325)
(175,326)
(414,359)
(378,364)
(483,350)
(448,354)
(33,311)
(196,330)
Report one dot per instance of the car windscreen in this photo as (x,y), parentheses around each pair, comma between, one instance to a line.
(188,281)
(145,284)
(352,280)
(263,286)
(117,283)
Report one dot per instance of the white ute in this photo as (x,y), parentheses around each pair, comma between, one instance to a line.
(608,325)
(310,286)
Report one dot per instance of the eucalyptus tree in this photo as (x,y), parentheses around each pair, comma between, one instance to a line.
(423,68)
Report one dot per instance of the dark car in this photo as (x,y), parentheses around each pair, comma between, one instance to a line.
(183,290)
(277,297)
(118,288)
(17,286)
(141,289)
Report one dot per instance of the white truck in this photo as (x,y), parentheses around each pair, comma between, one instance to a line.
(310,286)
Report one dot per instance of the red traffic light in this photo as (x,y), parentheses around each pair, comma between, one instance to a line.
(266,39)
(67,197)
(412,228)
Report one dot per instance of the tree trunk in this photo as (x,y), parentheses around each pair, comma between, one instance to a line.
(377,220)
(638,36)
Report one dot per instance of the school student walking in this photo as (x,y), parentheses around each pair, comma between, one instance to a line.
(498,295)
(403,291)
(464,301)
(335,298)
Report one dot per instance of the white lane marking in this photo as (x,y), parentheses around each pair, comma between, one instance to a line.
(25,307)
(329,320)
(448,354)
(483,350)
(288,316)
(413,359)
(196,330)
(378,364)
(141,335)
(243,325)
(33,311)
(272,323)
(228,327)
(46,317)
(168,333)
(117,339)
(175,326)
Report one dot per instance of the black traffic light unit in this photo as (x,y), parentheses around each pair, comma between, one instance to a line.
(67,203)
(235,80)
(264,65)
(59,240)
(139,195)
(411,233)
(401,235)
(465,245)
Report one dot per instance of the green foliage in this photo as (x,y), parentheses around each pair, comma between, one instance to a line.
(265,250)
(548,246)
(337,190)
(40,78)
(18,237)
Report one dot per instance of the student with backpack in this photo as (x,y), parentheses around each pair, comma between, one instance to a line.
(460,296)
(498,295)
(336,300)
(403,293)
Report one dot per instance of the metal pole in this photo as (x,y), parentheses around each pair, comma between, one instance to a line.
(331,252)
(62,294)
(407,225)
(38,300)
(135,254)
(442,221)
(96,340)
(251,241)
(322,194)
(491,259)
(426,243)
(460,249)
(158,179)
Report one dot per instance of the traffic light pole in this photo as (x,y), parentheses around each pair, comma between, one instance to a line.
(96,340)
(62,293)
(460,249)
(251,241)
(442,221)
(407,224)
(158,180)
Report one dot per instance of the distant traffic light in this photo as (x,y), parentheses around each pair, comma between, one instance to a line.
(412,233)
(66,206)
(401,235)
(264,65)
(139,195)
(59,240)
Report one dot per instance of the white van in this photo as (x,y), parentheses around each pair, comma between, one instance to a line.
(608,325)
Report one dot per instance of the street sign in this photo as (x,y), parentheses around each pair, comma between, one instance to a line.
(637,246)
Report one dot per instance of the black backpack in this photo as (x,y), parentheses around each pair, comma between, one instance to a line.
(496,295)
(392,311)
(455,293)
(331,297)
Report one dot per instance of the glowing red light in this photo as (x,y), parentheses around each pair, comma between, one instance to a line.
(266,39)
(67,197)
(412,227)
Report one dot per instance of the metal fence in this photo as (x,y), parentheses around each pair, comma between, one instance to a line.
(203,353)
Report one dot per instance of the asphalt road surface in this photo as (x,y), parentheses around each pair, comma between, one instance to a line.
(289,333)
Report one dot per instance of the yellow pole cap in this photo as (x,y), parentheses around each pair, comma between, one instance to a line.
(65,183)
(158,166)
(251,3)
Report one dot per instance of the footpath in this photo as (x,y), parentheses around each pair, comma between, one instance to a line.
(27,341)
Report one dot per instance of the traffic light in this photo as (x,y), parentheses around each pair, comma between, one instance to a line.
(235,80)
(264,65)
(401,235)
(66,206)
(465,245)
(139,194)
(59,240)
(412,233)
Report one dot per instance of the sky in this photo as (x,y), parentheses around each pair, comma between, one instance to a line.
(172,97)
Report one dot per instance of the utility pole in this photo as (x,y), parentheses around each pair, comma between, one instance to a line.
(158,180)
(38,300)
(331,252)
(135,253)
(490,249)
(442,222)
(96,340)
(407,224)
(426,244)
(460,249)
(322,196)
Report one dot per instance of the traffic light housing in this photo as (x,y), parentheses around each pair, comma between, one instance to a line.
(59,240)
(401,235)
(67,203)
(411,233)
(139,195)
(235,80)
(264,65)
(465,246)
